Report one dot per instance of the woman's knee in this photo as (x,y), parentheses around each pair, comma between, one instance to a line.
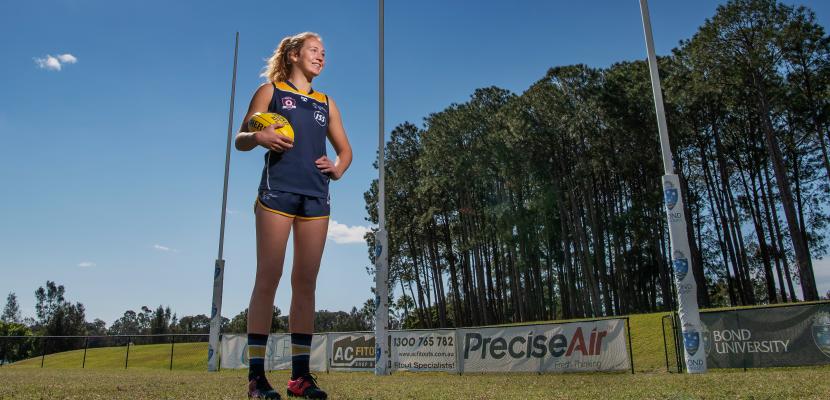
(267,283)
(303,283)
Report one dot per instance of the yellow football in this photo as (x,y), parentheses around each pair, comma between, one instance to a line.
(259,121)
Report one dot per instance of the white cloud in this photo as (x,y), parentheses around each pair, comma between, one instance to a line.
(86,264)
(164,248)
(344,234)
(52,63)
(67,58)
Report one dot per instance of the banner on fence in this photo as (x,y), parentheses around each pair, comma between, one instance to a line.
(234,352)
(579,346)
(768,337)
(352,351)
(424,350)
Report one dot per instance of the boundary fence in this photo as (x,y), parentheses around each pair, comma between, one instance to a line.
(795,334)
(490,349)
(88,351)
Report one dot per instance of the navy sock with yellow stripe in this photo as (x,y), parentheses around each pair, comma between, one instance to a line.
(300,354)
(256,355)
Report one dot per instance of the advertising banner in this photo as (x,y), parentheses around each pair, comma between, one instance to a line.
(579,346)
(234,352)
(683,276)
(768,337)
(424,350)
(352,351)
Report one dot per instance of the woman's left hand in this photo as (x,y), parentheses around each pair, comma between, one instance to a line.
(326,166)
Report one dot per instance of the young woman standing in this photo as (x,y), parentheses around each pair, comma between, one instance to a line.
(293,194)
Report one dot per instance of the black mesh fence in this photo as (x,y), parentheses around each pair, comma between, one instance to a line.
(181,351)
(671,344)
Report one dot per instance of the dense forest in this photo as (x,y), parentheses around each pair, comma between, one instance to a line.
(548,204)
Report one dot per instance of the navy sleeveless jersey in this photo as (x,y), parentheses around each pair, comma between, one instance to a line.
(294,170)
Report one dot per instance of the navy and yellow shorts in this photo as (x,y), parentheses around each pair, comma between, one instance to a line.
(293,205)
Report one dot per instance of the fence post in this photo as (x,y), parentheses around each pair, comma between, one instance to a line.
(665,342)
(679,349)
(328,352)
(127,360)
(630,350)
(42,351)
(458,350)
(172,345)
(86,345)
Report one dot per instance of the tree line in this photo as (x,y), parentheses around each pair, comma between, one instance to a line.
(549,204)
(57,316)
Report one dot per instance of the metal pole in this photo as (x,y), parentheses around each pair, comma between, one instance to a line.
(219,266)
(695,355)
(630,350)
(86,345)
(381,252)
(665,344)
(127,359)
(42,351)
(172,346)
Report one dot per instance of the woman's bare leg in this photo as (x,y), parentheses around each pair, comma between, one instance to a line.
(309,241)
(271,238)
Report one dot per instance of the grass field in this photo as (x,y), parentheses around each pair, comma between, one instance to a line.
(148,378)
(146,384)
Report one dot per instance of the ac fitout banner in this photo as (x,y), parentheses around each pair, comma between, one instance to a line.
(579,346)
(352,351)
(769,337)
(424,350)
(234,352)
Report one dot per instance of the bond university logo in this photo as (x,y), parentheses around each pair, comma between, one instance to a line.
(691,340)
(821,331)
(670,195)
(681,265)
(288,103)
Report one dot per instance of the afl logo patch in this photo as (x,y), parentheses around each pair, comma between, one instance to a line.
(320,118)
(288,103)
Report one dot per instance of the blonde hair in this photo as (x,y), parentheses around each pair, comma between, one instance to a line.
(279,65)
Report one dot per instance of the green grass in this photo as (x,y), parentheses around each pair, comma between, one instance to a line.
(186,356)
(141,384)
(148,378)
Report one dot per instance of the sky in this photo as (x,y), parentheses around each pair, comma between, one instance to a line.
(114,117)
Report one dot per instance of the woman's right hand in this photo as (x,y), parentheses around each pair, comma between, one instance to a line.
(273,140)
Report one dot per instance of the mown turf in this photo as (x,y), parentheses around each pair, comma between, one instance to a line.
(141,384)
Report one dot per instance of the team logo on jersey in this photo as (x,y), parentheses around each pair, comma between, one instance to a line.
(320,118)
(305,99)
(288,103)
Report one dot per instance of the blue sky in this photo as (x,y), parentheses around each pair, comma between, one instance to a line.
(112,166)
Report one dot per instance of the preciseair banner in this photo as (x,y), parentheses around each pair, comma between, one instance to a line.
(768,337)
(578,346)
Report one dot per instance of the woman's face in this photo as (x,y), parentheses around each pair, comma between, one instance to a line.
(311,57)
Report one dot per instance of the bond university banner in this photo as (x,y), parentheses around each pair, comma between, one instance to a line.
(768,337)
(433,350)
(579,346)
(234,352)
